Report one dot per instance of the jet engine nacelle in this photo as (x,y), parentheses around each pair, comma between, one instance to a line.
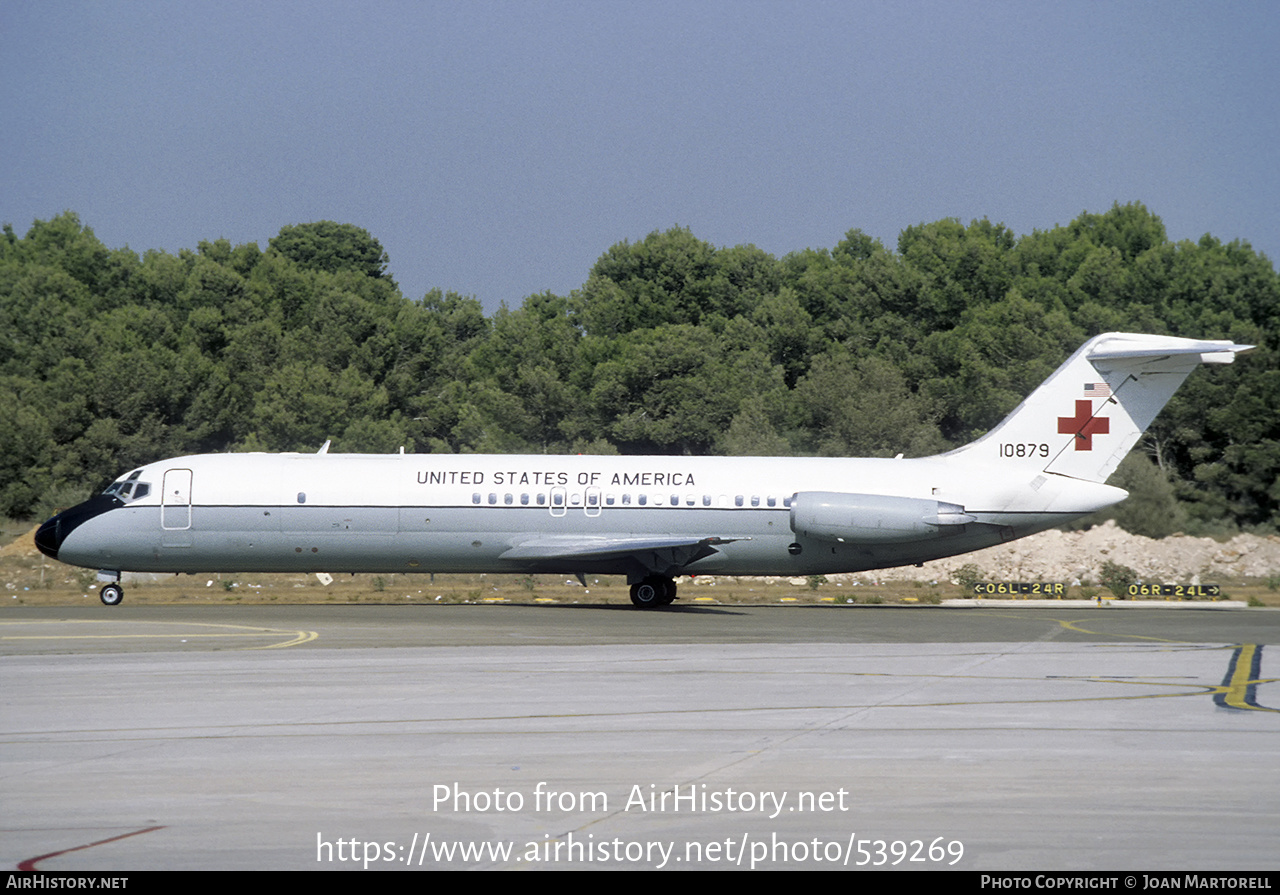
(835,516)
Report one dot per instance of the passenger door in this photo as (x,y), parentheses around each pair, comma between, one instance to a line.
(175,500)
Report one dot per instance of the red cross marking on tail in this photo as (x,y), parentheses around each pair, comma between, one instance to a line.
(1084,425)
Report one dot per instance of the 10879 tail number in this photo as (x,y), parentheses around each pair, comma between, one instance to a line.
(1023,449)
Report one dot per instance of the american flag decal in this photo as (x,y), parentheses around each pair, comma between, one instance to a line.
(1097,390)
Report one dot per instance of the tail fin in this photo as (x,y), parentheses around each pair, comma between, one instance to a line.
(1085,418)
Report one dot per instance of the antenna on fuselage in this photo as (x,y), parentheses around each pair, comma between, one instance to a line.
(324,448)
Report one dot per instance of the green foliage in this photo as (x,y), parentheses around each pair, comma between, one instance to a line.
(331,247)
(751,433)
(967,576)
(1152,507)
(672,277)
(109,360)
(1117,578)
(863,408)
(673,389)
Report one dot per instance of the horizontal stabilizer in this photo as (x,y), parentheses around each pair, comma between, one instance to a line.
(1119,345)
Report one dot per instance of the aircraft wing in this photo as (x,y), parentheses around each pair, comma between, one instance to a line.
(659,555)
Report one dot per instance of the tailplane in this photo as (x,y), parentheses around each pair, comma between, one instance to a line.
(1084,419)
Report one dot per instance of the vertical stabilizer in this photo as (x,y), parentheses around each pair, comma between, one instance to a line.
(1088,415)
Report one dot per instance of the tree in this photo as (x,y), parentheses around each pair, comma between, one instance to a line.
(862,408)
(673,277)
(1129,228)
(330,246)
(674,389)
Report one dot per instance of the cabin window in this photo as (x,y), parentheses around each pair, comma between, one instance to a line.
(524,500)
(626,500)
(641,499)
(475,498)
(493,498)
(755,500)
(737,501)
(302,497)
(508,499)
(609,499)
(706,500)
(542,500)
(773,501)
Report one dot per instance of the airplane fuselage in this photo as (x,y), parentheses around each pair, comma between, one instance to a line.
(469,513)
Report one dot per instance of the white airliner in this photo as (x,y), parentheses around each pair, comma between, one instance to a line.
(649,518)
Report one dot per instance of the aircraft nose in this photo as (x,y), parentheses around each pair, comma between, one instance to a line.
(53,534)
(49,537)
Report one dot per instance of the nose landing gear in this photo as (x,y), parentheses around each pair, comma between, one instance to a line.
(111,594)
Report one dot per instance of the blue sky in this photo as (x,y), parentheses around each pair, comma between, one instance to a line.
(498,148)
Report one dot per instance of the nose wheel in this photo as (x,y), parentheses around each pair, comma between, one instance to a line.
(111,594)
(654,591)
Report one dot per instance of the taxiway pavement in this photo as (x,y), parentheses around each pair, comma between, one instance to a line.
(340,737)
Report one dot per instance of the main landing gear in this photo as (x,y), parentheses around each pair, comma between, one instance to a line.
(654,591)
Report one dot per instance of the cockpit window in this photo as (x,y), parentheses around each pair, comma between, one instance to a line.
(129,488)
